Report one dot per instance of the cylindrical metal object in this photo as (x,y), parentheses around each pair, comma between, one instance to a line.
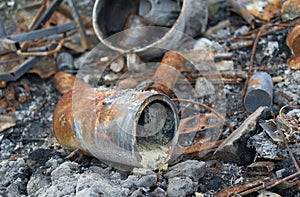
(64,61)
(259,92)
(63,82)
(167,72)
(109,18)
(126,128)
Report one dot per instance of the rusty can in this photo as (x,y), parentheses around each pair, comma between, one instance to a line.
(126,128)
(259,92)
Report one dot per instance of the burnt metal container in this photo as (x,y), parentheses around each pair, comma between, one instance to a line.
(187,17)
(125,128)
(259,92)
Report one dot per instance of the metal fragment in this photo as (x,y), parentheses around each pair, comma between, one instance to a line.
(261,168)
(293,40)
(290,9)
(2,29)
(64,61)
(6,122)
(199,122)
(37,34)
(63,82)
(79,25)
(45,16)
(16,72)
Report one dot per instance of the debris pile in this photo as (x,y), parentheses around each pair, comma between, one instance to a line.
(149,98)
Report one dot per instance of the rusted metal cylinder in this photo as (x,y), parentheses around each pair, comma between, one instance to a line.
(167,72)
(109,18)
(259,92)
(125,128)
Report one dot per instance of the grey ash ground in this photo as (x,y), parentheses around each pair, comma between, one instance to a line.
(32,163)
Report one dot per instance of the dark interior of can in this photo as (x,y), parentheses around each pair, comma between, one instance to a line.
(112,15)
(157,125)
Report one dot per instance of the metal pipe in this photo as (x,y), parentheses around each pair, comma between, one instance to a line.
(167,72)
(259,92)
(126,128)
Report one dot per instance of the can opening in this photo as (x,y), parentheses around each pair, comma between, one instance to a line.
(112,14)
(155,133)
(257,98)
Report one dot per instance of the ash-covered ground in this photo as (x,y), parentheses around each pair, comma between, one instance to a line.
(32,163)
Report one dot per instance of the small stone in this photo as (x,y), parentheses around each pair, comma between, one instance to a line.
(181,187)
(138,193)
(147,181)
(215,183)
(95,185)
(271,48)
(65,169)
(37,181)
(191,168)
(159,192)
(130,181)
(204,87)
(142,172)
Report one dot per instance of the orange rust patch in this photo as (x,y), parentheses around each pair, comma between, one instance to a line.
(254,83)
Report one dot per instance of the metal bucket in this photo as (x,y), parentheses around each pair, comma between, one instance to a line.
(109,18)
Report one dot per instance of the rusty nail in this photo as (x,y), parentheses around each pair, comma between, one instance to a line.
(259,92)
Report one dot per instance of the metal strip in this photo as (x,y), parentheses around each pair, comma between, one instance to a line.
(37,34)
(46,15)
(2,30)
(19,71)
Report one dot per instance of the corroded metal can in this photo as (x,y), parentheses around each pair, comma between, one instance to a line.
(126,128)
(185,17)
(259,92)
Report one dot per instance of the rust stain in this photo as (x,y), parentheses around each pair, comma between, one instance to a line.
(254,83)
(63,82)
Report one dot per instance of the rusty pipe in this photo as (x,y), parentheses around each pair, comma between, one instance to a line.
(167,72)
(125,128)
